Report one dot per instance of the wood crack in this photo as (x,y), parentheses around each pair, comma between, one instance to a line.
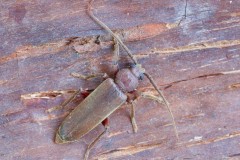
(202,76)
(212,140)
(88,43)
(197,46)
(126,151)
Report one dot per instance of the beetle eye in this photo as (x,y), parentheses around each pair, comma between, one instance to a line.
(141,76)
(132,65)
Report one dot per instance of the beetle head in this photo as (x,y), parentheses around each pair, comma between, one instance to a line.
(138,71)
(127,78)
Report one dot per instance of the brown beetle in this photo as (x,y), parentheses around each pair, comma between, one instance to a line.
(104,100)
(97,106)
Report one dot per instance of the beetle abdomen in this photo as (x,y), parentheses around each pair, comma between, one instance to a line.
(104,100)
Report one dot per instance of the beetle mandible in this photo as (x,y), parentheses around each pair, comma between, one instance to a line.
(93,110)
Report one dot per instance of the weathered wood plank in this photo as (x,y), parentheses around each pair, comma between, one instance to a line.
(196,63)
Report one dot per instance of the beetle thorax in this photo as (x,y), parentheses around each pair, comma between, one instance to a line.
(127,78)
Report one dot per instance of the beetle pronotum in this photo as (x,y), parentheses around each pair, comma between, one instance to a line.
(93,110)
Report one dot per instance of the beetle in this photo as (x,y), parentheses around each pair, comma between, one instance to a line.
(105,99)
(99,104)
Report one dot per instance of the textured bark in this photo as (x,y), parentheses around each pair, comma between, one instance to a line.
(196,63)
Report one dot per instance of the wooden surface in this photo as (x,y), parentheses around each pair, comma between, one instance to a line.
(196,63)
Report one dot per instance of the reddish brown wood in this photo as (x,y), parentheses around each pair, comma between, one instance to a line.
(197,64)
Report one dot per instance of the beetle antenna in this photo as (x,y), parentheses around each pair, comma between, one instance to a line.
(110,31)
(133,59)
(164,100)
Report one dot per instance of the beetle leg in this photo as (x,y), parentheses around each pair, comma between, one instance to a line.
(152,97)
(132,98)
(65,102)
(84,93)
(116,52)
(90,146)
(132,116)
(136,95)
(89,77)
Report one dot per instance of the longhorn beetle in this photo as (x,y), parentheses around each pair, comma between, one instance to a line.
(105,99)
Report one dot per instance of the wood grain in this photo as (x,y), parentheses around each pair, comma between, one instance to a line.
(196,63)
